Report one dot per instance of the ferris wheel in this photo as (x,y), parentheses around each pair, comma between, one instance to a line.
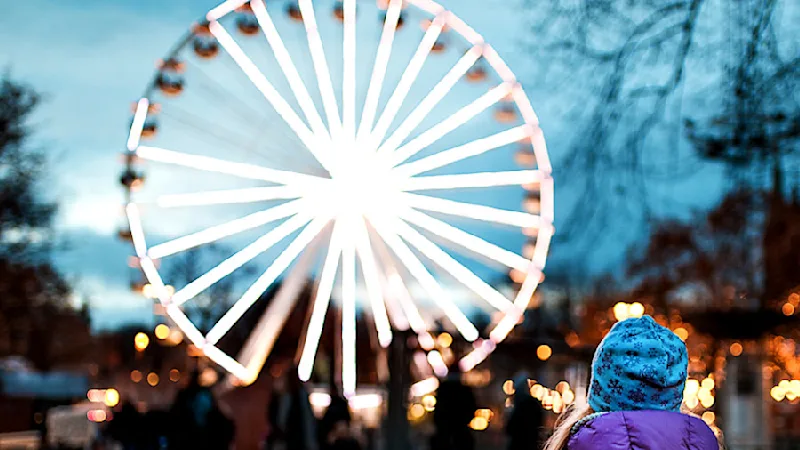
(336,141)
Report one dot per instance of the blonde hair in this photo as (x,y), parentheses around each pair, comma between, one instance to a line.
(580,411)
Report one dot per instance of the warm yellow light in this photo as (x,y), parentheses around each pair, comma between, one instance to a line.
(636,309)
(136,376)
(568,396)
(95,395)
(416,411)
(537,391)
(485,413)
(152,378)
(709,417)
(141,341)
(794,298)
(794,386)
(429,402)
(692,402)
(787,309)
(478,423)
(149,291)
(508,387)
(562,386)
(691,388)
(162,331)
(791,396)
(682,333)
(111,398)
(174,375)
(777,393)
(208,377)
(621,311)
(707,383)
(444,340)
(544,352)
(706,398)
(558,403)
(736,349)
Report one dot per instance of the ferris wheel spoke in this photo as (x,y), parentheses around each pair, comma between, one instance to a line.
(138,123)
(239,259)
(396,290)
(473,180)
(320,307)
(465,276)
(218,232)
(224,9)
(456,154)
(230,196)
(349,76)
(209,164)
(426,280)
(379,69)
(320,66)
(431,100)
(373,284)
(408,78)
(473,211)
(349,318)
(466,240)
(289,70)
(260,343)
(277,101)
(451,123)
(278,266)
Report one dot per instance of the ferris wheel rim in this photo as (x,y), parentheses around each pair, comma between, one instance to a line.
(482,347)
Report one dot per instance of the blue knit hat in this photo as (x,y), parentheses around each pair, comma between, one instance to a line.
(638,365)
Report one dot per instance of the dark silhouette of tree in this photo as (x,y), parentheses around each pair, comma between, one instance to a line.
(33,295)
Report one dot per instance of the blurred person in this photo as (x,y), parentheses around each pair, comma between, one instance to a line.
(455,408)
(198,422)
(292,425)
(336,416)
(342,437)
(525,421)
(635,396)
(125,427)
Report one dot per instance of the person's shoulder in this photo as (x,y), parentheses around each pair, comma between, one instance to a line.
(644,429)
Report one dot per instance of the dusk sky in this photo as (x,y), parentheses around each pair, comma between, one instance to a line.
(92,59)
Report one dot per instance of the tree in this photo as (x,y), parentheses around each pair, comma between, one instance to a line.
(33,293)
(621,67)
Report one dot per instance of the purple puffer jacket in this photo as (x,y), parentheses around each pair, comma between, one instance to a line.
(643,430)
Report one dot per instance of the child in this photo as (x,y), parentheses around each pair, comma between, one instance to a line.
(635,396)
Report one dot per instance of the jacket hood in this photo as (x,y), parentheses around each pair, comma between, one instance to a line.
(643,430)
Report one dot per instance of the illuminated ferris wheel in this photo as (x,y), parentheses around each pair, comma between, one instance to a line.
(335,141)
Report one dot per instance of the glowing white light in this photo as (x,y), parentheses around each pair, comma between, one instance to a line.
(461,152)
(428,282)
(261,340)
(321,300)
(218,232)
(230,196)
(438,364)
(379,71)
(453,267)
(349,77)
(461,117)
(473,211)
(424,387)
(373,284)
(349,319)
(224,9)
(289,70)
(138,124)
(266,279)
(320,67)
(209,164)
(406,80)
(369,182)
(466,240)
(270,93)
(431,100)
(239,259)
(472,180)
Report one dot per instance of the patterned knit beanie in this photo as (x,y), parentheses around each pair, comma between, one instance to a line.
(638,365)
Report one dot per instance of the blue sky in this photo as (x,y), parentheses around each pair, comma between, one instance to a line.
(93,59)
